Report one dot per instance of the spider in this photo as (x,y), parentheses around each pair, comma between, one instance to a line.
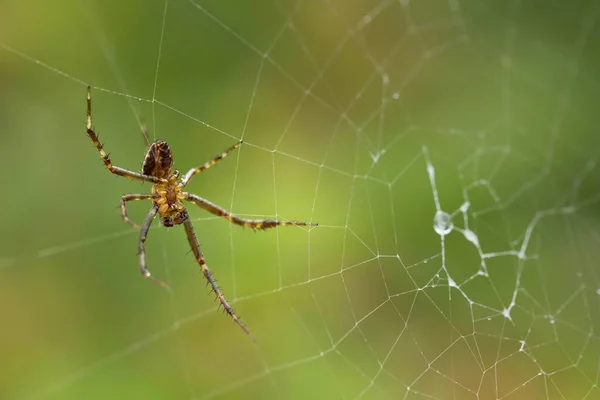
(167,201)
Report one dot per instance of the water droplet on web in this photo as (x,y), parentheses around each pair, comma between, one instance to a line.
(471,237)
(442,223)
(465,207)
(430,171)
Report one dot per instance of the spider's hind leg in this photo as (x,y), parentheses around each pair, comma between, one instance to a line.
(193,240)
(208,164)
(255,224)
(107,162)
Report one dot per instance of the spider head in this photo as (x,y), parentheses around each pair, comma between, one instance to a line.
(180,217)
(167,221)
(159,160)
(176,218)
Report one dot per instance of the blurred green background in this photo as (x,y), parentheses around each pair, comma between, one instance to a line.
(367,117)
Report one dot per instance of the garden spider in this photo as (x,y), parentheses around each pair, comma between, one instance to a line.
(167,201)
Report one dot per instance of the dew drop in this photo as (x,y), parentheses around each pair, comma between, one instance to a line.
(442,223)
(471,237)
(465,206)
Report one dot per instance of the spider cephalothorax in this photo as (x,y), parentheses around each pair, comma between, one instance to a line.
(167,196)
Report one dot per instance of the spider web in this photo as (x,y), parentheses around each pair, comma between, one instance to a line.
(447,149)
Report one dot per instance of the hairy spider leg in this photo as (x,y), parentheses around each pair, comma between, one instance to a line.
(143,235)
(133,197)
(185,180)
(112,168)
(248,223)
(193,240)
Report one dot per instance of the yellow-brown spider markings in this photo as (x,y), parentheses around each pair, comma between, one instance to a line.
(167,201)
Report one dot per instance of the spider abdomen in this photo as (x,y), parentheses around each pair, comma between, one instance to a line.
(159,160)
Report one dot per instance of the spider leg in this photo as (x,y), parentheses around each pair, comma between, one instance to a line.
(145,133)
(132,197)
(208,164)
(249,223)
(142,250)
(114,169)
(193,240)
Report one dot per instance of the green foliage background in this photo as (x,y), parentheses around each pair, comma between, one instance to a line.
(500,96)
